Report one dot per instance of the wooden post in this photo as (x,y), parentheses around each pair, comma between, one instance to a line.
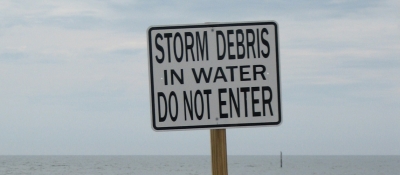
(218,152)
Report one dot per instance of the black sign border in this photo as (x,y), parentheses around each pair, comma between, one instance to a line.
(210,25)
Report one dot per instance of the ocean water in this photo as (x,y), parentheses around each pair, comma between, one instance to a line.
(198,165)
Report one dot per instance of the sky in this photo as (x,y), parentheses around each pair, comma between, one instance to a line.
(74,77)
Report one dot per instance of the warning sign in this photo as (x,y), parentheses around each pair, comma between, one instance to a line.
(214,75)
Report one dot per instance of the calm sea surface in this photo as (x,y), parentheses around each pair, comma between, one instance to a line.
(199,165)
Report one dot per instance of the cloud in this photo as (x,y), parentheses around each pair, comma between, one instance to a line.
(53,41)
(358,50)
(76,74)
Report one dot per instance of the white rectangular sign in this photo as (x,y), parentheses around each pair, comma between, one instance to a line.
(214,75)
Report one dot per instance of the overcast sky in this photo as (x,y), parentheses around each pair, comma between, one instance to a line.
(74,77)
